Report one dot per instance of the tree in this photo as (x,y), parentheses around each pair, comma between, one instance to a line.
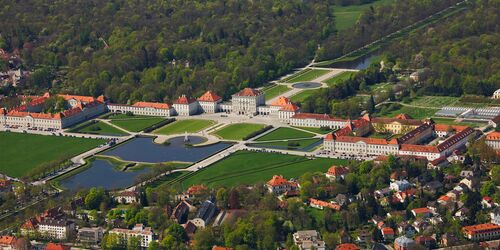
(133,243)
(94,198)
(488,189)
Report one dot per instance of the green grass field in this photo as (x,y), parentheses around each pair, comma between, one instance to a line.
(21,152)
(451,121)
(415,113)
(434,101)
(338,78)
(307,75)
(99,128)
(300,144)
(316,130)
(276,91)
(136,124)
(346,16)
(181,126)
(245,167)
(302,96)
(238,131)
(285,133)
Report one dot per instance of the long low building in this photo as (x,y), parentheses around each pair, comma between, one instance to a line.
(347,142)
(480,232)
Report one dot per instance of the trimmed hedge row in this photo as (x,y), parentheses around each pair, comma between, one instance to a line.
(256,133)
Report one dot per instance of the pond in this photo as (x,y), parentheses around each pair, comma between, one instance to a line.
(360,63)
(307,85)
(101,173)
(143,149)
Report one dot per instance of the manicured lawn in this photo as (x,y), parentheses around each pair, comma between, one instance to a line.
(415,113)
(302,96)
(452,122)
(245,167)
(308,75)
(21,152)
(276,91)
(338,78)
(297,144)
(238,131)
(136,124)
(316,130)
(346,16)
(182,126)
(99,128)
(434,101)
(285,133)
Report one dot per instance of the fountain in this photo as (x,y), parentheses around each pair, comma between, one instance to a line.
(186,137)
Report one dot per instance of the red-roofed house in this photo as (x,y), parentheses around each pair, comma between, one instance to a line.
(387,233)
(247,101)
(347,246)
(209,102)
(319,204)
(186,106)
(480,232)
(56,246)
(336,172)
(279,185)
(421,212)
(493,140)
(8,242)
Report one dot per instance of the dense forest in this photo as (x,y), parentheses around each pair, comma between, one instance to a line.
(156,50)
(463,54)
(455,57)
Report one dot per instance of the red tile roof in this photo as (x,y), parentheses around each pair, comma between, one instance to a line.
(347,246)
(156,105)
(54,246)
(248,92)
(290,107)
(422,210)
(387,231)
(221,248)
(7,240)
(324,204)
(184,100)
(446,127)
(481,229)
(81,98)
(354,139)
(419,148)
(403,116)
(337,170)
(278,180)
(493,136)
(196,189)
(209,96)
(282,101)
(316,117)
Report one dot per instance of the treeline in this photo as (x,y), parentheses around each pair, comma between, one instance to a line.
(463,54)
(157,50)
(49,167)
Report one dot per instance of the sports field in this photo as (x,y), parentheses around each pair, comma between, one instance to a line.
(136,124)
(182,126)
(285,133)
(307,75)
(99,128)
(275,91)
(338,78)
(238,131)
(245,167)
(21,152)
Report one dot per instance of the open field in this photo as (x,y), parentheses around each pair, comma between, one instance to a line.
(284,133)
(451,121)
(182,126)
(434,101)
(275,91)
(238,131)
(245,167)
(286,144)
(346,16)
(136,124)
(99,128)
(165,179)
(21,152)
(302,96)
(338,78)
(316,130)
(307,75)
(415,113)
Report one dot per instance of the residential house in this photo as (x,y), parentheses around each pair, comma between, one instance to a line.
(406,228)
(336,172)
(279,185)
(144,234)
(127,197)
(181,211)
(347,246)
(387,233)
(399,185)
(422,212)
(205,214)
(403,243)
(495,216)
(91,235)
(448,239)
(426,241)
(322,204)
(56,246)
(59,229)
(308,239)
(481,232)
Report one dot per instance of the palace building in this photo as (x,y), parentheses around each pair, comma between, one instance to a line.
(247,101)
(351,140)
